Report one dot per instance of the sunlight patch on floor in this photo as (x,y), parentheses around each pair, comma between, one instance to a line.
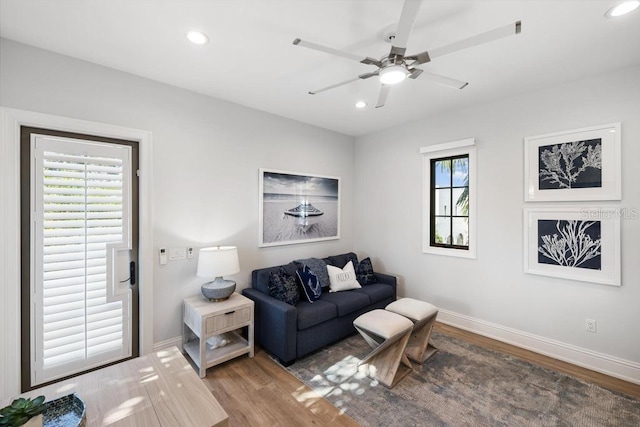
(342,379)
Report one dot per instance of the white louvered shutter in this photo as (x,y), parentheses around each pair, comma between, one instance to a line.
(80,313)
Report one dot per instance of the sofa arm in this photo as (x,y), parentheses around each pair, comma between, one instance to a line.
(388,280)
(275,325)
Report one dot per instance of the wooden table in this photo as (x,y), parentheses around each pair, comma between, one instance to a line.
(203,319)
(158,389)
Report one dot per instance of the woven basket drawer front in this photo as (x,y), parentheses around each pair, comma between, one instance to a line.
(226,320)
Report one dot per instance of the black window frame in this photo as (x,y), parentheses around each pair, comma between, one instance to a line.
(433,209)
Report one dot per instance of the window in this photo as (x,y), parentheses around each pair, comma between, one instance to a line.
(449,199)
(450,202)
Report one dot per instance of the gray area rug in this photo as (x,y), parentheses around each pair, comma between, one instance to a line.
(462,385)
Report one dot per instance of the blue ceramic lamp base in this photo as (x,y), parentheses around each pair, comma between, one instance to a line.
(218,290)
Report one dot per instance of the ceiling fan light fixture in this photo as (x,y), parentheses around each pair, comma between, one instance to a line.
(197,37)
(622,8)
(393,74)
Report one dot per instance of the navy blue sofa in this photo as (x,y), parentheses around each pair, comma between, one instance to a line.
(289,332)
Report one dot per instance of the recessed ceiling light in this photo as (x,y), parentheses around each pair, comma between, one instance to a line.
(622,8)
(361,104)
(197,37)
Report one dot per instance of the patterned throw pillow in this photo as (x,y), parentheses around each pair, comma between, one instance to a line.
(319,268)
(343,279)
(364,272)
(353,258)
(310,284)
(284,287)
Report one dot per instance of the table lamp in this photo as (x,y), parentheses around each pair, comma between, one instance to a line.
(215,262)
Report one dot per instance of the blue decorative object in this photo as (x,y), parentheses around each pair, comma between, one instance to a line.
(67,411)
(284,287)
(319,268)
(310,284)
(364,272)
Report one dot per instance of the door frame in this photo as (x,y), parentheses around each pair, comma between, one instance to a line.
(11,120)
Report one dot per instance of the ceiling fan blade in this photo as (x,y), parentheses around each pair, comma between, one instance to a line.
(360,77)
(445,81)
(407,18)
(489,36)
(332,51)
(419,58)
(415,73)
(382,98)
(313,92)
(367,75)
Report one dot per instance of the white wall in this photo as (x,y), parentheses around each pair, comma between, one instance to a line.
(493,288)
(206,156)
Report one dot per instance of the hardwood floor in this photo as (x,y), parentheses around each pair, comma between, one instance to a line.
(259,392)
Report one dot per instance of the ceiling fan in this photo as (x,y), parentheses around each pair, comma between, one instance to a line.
(396,66)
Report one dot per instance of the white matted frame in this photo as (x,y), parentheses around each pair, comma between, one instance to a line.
(573,243)
(297,207)
(579,164)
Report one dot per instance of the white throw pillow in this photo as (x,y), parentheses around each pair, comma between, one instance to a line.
(342,279)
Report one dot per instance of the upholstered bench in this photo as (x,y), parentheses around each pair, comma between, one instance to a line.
(423,315)
(387,333)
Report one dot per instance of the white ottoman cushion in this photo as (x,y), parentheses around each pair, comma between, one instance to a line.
(414,309)
(383,323)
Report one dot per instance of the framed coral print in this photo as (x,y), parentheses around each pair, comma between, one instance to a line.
(298,208)
(573,243)
(580,164)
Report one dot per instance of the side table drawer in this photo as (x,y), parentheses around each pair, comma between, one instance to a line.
(226,320)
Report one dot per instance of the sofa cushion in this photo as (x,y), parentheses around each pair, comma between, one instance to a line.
(376,292)
(364,272)
(342,279)
(284,287)
(310,284)
(346,302)
(342,259)
(314,314)
(319,268)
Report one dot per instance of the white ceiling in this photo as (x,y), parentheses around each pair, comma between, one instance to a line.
(251,60)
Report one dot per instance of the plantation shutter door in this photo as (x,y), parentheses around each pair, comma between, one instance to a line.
(80,219)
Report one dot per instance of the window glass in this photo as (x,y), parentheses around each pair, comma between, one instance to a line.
(450,202)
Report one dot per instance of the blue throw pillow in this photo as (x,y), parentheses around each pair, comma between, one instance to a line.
(319,268)
(310,284)
(284,287)
(364,272)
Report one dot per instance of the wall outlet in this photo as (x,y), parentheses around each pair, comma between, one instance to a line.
(590,325)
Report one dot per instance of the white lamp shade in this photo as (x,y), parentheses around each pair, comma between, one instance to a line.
(218,261)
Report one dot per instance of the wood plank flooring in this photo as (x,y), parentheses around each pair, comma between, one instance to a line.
(259,392)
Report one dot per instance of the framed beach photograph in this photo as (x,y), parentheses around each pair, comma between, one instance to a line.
(580,164)
(573,243)
(298,208)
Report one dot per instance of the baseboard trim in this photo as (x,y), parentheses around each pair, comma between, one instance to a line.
(609,365)
(171,342)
